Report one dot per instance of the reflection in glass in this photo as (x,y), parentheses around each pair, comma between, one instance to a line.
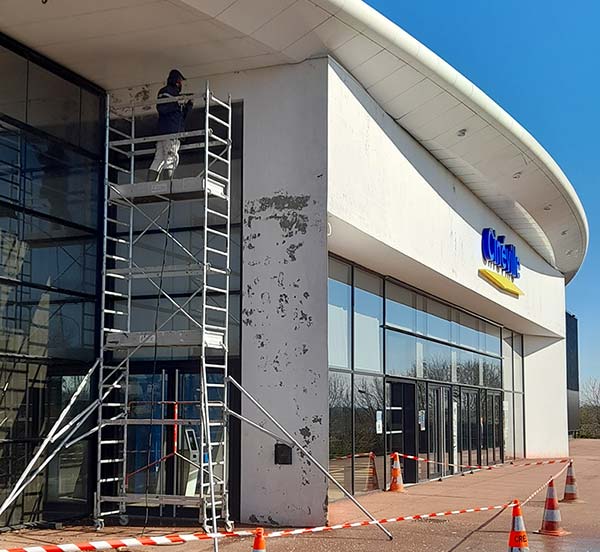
(368,319)
(492,375)
(437,361)
(519,426)
(49,237)
(492,339)
(400,308)
(438,320)
(468,367)
(508,425)
(13,85)
(145,443)
(68,474)
(339,314)
(400,354)
(507,359)
(340,432)
(469,330)
(518,361)
(368,435)
(53,104)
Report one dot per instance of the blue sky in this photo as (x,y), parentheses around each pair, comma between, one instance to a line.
(539,60)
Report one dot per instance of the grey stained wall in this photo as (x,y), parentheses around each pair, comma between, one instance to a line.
(284,301)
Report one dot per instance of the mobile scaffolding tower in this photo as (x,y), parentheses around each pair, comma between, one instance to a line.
(134,207)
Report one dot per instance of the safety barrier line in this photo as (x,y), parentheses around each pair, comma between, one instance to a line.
(532,495)
(492,467)
(292,532)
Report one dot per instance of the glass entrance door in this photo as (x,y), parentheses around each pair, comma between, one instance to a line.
(494,427)
(440,430)
(469,428)
(401,424)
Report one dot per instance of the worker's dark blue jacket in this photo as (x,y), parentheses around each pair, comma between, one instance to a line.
(171,115)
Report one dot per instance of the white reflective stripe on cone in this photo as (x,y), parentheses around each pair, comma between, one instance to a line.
(519,524)
(552,515)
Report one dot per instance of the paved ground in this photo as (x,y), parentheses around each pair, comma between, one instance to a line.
(485,531)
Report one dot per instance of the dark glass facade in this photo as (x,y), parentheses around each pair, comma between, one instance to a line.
(51,167)
(412,374)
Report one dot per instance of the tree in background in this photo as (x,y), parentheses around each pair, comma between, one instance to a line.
(590,409)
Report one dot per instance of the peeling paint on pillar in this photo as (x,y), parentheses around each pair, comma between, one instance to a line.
(284,299)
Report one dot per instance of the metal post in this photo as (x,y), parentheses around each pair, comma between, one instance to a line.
(203,375)
(308,455)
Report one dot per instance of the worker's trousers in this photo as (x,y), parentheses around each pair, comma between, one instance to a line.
(166,156)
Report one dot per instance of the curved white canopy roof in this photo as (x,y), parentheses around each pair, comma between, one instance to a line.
(110,42)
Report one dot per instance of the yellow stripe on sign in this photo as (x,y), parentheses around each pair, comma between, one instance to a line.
(500,281)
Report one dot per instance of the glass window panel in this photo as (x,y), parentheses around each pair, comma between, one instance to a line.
(57,255)
(47,324)
(469,330)
(519,427)
(91,137)
(339,314)
(422,431)
(340,432)
(507,360)
(492,376)
(368,437)
(400,308)
(13,84)
(437,361)
(59,182)
(439,318)
(368,319)
(10,164)
(400,354)
(53,104)
(492,339)
(68,475)
(234,324)
(468,367)
(518,361)
(509,434)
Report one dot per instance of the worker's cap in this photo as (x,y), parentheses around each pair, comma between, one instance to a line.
(175,75)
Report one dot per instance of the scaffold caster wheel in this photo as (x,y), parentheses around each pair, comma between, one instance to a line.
(98,524)
(123,520)
(229,526)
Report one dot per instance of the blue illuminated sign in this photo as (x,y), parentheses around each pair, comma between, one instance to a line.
(497,252)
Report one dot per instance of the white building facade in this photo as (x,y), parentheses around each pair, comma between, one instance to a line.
(368,173)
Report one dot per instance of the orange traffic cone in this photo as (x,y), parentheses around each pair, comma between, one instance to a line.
(396,483)
(259,541)
(551,520)
(570,486)
(372,483)
(517,540)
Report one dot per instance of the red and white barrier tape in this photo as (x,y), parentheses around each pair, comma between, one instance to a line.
(493,467)
(180,539)
(114,544)
(540,489)
(292,532)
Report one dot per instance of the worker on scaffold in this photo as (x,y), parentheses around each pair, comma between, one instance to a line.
(171,120)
